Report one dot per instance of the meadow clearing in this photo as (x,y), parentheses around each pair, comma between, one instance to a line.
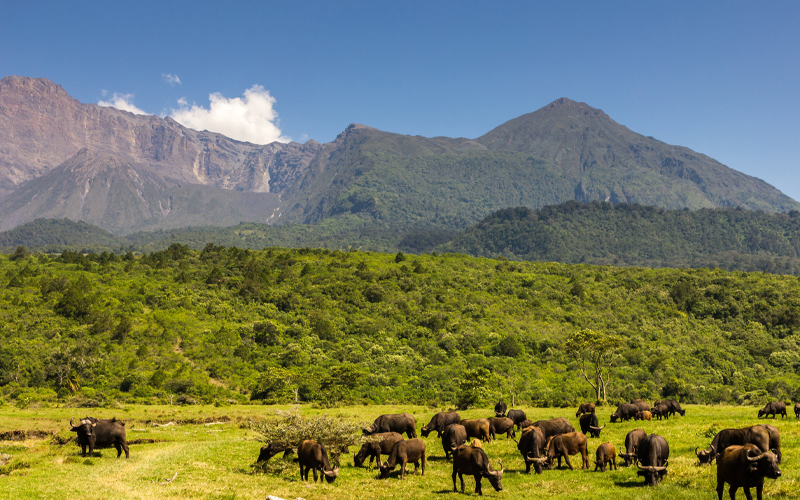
(215,461)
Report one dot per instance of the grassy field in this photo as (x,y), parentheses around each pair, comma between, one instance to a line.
(215,461)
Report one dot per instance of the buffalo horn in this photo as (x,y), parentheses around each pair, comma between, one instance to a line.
(653,468)
(597,428)
(70,423)
(454,447)
(94,424)
(696,452)
(755,459)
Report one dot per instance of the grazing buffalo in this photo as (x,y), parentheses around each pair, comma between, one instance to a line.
(672,406)
(313,456)
(374,449)
(641,405)
(643,415)
(270,450)
(518,416)
(412,450)
(501,425)
(605,455)
(439,423)
(797,410)
(525,424)
(532,446)
(624,412)
(660,411)
(564,445)
(590,424)
(745,467)
(454,436)
(399,423)
(95,433)
(554,427)
(500,409)
(474,461)
(653,453)
(765,437)
(773,408)
(477,428)
(584,408)
(632,441)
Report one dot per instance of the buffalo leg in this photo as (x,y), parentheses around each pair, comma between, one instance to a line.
(403,470)
(614,463)
(314,469)
(423,464)
(759,487)
(732,492)
(566,459)
(416,466)
(478,484)
(461,477)
(119,449)
(720,488)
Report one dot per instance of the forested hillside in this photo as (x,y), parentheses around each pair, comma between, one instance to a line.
(329,326)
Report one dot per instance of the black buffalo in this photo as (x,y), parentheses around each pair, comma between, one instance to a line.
(660,411)
(653,453)
(745,467)
(474,461)
(773,408)
(518,416)
(500,409)
(672,406)
(374,449)
(589,423)
(501,425)
(478,428)
(797,410)
(270,450)
(454,436)
(398,422)
(632,441)
(604,456)
(625,411)
(765,437)
(96,433)
(439,423)
(554,427)
(402,453)
(532,447)
(312,455)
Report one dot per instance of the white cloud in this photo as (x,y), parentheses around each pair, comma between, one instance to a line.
(171,79)
(123,102)
(250,118)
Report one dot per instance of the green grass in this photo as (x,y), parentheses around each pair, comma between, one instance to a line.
(214,462)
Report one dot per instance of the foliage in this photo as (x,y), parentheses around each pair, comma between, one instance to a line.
(598,349)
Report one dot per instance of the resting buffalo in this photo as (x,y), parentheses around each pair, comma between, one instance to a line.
(766,437)
(564,445)
(605,455)
(773,408)
(454,436)
(501,425)
(95,433)
(632,441)
(439,423)
(745,467)
(412,450)
(518,416)
(477,428)
(652,453)
(643,415)
(585,408)
(270,450)
(554,427)
(590,424)
(672,406)
(625,411)
(374,449)
(532,446)
(399,423)
(313,456)
(500,409)
(474,461)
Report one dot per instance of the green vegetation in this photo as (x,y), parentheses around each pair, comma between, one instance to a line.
(213,462)
(228,325)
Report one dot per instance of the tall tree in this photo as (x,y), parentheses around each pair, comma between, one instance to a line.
(597,349)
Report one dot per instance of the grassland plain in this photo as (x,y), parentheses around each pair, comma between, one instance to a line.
(214,462)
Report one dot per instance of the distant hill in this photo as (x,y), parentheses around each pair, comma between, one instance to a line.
(636,235)
(59,234)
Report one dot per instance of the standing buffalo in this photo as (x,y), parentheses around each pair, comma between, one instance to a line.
(652,453)
(474,461)
(745,467)
(643,415)
(564,445)
(477,428)
(95,433)
(554,427)
(672,406)
(525,424)
(532,446)
(500,409)
(605,455)
(632,441)
(399,423)
(585,408)
(313,456)
(518,416)
(765,437)
(454,436)
(589,424)
(797,410)
(439,423)
(660,411)
(625,411)
(374,449)
(641,405)
(773,408)
(501,425)
(412,450)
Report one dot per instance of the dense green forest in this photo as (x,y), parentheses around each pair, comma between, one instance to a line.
(323,326)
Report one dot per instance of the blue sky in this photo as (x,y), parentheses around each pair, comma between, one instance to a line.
(722,78)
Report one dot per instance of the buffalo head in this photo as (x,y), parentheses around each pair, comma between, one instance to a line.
(652,473)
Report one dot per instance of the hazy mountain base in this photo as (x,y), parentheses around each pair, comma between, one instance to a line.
(332,327)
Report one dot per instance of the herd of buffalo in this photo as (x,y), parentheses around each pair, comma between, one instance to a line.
(744,456)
